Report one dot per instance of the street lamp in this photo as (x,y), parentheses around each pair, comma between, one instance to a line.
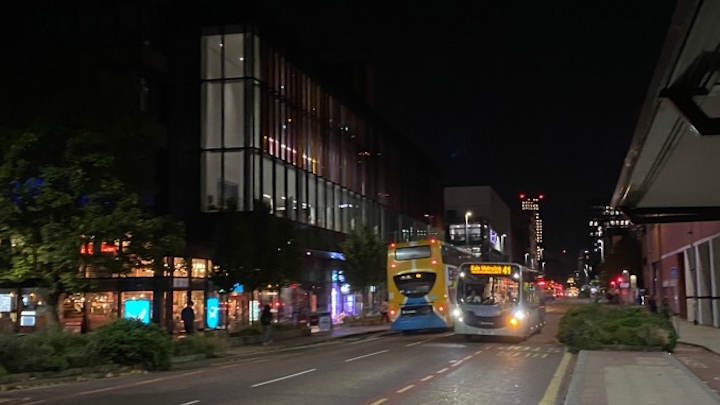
(468,214)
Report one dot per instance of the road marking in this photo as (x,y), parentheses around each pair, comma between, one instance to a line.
(535,355)
(442,370)
(365,340)
(191,402)
(478,352)
(427,378)
(553,388)
(366,355)
(457,363)
(429,339)
(379,401)
(527,355)
(401,390)
(537,349)
(543,356)
(467,358)
(283,378)
(516,354)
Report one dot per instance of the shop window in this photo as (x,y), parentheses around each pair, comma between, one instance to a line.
(199,268)
(211,114)
(179,267)
(234,55)
(198,299)
(137,305)
(102,308)
(234,117)
(211,56)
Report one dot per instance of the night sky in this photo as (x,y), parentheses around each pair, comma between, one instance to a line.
(533,97)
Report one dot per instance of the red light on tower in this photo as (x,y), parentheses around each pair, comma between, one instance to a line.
(541,196)
(522,196)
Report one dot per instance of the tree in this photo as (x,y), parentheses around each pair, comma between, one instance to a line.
(63,208)
(255,249)
(365,257)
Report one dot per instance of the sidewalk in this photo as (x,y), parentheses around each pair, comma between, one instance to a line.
(698,335)
(634,378)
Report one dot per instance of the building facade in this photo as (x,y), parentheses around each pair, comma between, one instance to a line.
(231,122)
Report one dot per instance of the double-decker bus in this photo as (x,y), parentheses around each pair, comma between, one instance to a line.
(497,299)
(421,278)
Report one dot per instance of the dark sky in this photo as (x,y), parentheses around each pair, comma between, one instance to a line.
(531,96)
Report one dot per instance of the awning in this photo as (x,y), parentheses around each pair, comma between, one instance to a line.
(672,170)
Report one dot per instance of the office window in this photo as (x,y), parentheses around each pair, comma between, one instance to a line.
(302,196)
(234,55)
(234,181)
(234,114)
(280,196)
(268,188)
(337,211)
(292,196)
(211,181)
(312,199)
(211,56)
(321,203)
(211,115)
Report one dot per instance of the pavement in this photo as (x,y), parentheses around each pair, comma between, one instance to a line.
(698,335)
(371,369)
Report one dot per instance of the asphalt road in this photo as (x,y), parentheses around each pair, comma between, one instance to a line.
(433,369)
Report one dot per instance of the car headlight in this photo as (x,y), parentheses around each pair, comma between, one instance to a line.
(519,314)
(460,319)
(456,312)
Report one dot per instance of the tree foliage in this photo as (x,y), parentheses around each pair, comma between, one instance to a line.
(60,190)
(365,257)
(255,249)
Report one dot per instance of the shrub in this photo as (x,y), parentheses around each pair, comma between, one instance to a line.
(210,346)
(249,331)
(131,342)
(46,350)
(596,326)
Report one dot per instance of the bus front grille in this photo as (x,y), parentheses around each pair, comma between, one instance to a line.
(487,322)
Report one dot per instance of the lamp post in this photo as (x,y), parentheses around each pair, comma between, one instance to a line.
(468,214)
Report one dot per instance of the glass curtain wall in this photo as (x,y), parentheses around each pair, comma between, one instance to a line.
(269,132)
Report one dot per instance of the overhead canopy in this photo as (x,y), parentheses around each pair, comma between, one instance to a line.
(672,170)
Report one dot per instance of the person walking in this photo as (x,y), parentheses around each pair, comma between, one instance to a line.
(266,322)
(188,318)
(384,311)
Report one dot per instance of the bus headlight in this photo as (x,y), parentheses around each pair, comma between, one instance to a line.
(456,313)
(519,314)
(460,319)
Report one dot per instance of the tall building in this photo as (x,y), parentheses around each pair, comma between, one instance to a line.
(533,206)
(606,226)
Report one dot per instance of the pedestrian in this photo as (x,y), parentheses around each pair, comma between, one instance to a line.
(266,322)
(188,318)
(384,311)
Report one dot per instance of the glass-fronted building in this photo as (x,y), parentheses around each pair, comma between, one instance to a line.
(270,132)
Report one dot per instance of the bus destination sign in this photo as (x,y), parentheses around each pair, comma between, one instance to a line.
(492,269)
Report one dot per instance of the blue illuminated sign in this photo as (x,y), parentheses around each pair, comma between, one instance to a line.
(138,310)
(238,288)
(212,312)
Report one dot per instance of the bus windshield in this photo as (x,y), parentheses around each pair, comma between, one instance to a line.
(414,252)
(487,290)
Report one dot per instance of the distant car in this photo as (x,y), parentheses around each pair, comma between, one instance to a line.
(573,292)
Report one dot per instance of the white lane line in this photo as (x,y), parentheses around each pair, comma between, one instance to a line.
(457,363)
(401,390)
(366,355)
(442,370)
(364,340)
(452,361)
(191,402)
(283,378)
(516,354)
(427,378)
(478,352)
(467,358)
(379,401)
(543,356)
(527,355)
